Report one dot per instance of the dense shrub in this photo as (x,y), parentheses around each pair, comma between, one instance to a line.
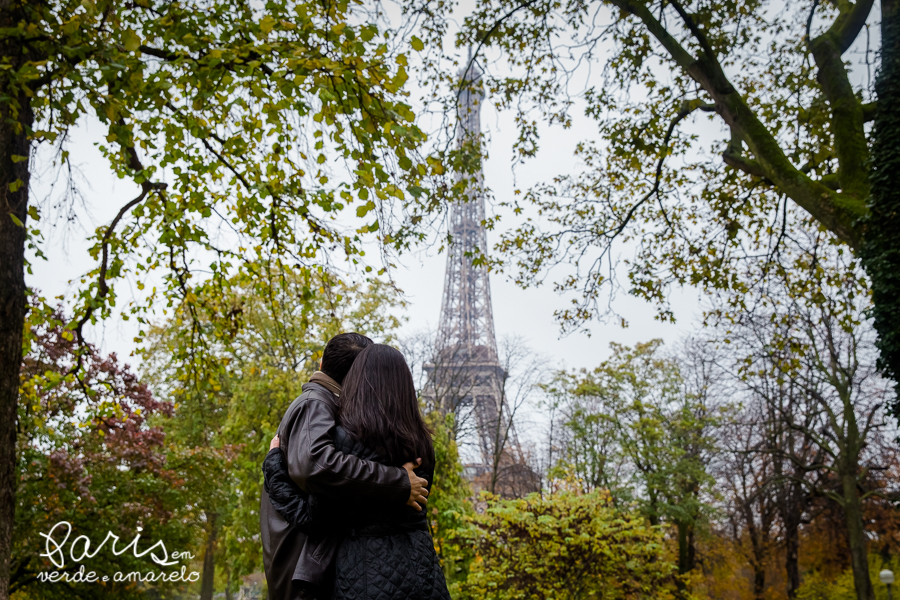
(565,546)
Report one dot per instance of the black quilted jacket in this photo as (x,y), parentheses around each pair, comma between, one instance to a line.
(385,550)
(287,497)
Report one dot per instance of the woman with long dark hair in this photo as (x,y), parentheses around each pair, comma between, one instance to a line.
(378,551)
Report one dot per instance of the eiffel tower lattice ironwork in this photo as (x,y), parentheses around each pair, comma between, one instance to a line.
(466,373)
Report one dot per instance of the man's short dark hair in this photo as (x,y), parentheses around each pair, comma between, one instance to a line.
(340,352)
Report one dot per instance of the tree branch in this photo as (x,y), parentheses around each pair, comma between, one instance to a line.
(847,26)
(687,107)
(837,212)
(682,57)
(173,56)
(746,165)
(163,54)
(314,225)
(695,30)
(134,163)
(733,157)
(809,20)
(491,32)
(847,115)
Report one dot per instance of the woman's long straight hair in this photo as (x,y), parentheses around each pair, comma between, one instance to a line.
(379,406)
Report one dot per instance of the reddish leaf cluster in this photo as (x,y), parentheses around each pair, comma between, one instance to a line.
(89,451)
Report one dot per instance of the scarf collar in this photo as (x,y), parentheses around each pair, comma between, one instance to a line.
(323,379)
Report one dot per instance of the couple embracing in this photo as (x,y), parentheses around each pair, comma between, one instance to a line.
(342,516)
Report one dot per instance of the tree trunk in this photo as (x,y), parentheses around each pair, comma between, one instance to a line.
(759,581)
(207,584)
(881,249)
(686,555)
(14,179)
(791,502)
(653,508)
(757,545)
(856,537)
(228,594)
(792,555)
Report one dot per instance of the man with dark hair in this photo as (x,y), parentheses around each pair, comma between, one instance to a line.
(306,436)
(340,352)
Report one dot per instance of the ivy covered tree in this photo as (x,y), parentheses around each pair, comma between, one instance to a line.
(227,118)
(881,252)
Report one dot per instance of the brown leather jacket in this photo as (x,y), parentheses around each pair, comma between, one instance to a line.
(306,433)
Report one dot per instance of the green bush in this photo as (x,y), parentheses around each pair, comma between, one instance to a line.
(564,546)
(839,586)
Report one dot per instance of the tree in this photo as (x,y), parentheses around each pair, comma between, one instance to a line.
(223,116)
(253,375)
(768,471)
(768,83)
(88,455)
(510,473)
(582,440)
(795,461)
(881,252)
(809,340)
(655,438)
(745,473)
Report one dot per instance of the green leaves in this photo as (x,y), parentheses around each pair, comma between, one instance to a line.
(186,91)
(694,203)
(566,546)
(130,40)
(264,330)
(266,24)
(361,211)
(636,427)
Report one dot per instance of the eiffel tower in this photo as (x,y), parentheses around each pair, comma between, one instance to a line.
(466,375)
